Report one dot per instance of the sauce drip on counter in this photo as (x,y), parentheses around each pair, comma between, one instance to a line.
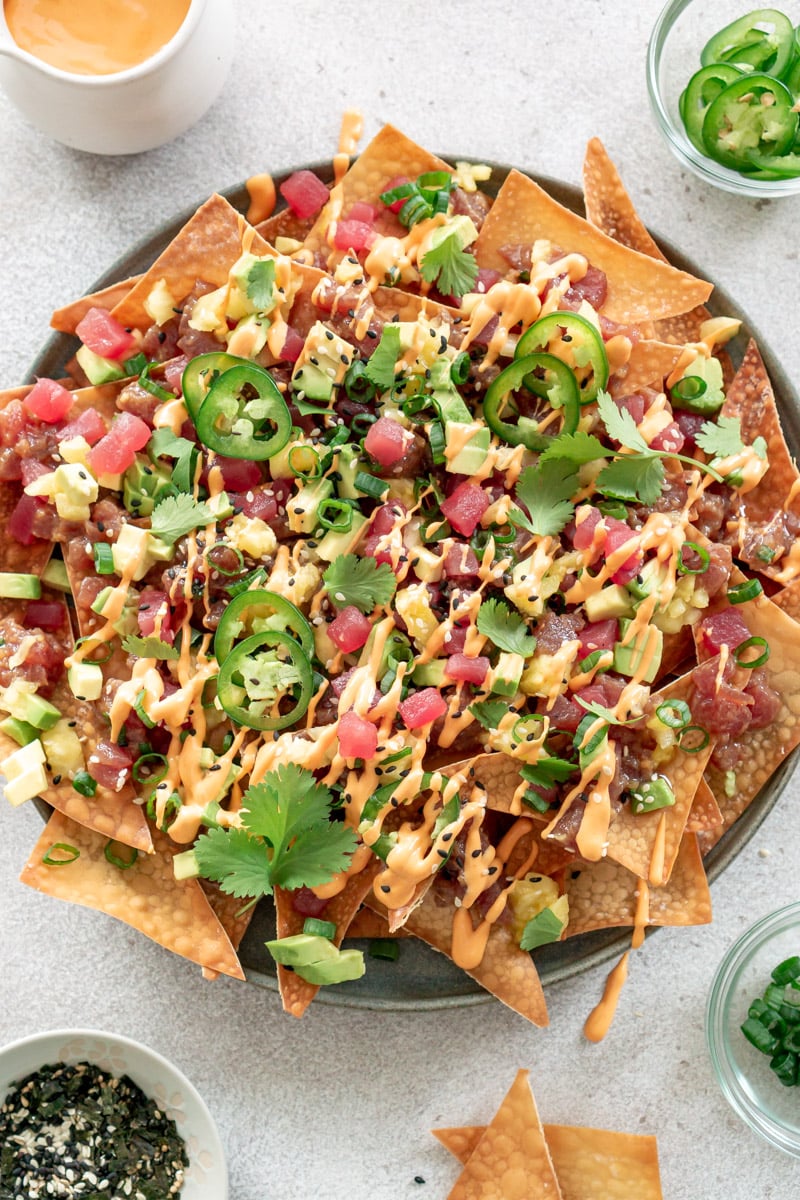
(94,37)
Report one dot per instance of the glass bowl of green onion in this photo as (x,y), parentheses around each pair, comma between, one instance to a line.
(753,1027)
(724,85)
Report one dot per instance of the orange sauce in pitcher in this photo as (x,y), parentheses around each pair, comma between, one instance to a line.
(94,37)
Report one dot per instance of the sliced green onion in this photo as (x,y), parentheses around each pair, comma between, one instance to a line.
(145,770)
(535,801)
(705,559)
(527,728)
(357,383)
(107,648)
(745,591)
(393,758)
(692,747)
(590,662)
(401,192)
(136,364)
(765,554)
(752,643)
(384,948)
(317,928)
(415,209)
(437,440)
(361,422)
(435,181)
(152,387)
(787,971)
(675,714)
(70,854)
(459,370)
(142,714)
(785,1067)
(370,485)
(226,547)
(336,515)
(84,783)
(689,388)
(759,1036)
(304,462)
(244,584)
(124,864)
(103,558)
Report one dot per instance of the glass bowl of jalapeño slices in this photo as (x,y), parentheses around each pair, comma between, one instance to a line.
(753,1027)
(724,84)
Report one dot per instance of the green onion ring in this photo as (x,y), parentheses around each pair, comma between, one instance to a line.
(151,776)
(675,714)
(72,853)
(124,864)
(705,739)
(745,591)
(705,559)
(751,643)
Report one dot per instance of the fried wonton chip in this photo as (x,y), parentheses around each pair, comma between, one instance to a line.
(296,992)
(147,896)
(232,913)
(284,224)
(506,971)
(590,1164)
(369,924)
(66,319)
(206,248)
(389,154)
(604,895)
(511,1161)
(762,750)
(763,509)
(647,843)
(649,364)
(705,812)
(610,208)
(788,600)
(639,288)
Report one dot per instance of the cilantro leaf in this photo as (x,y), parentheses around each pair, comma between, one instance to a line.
(632,477)
(286,802)
(315,856)
(542,929)
(149,647)
(546,492)
(619,424)
(380,368)
(261,283)
(165,444)
(286,838)
(236,861)
(178,515)
(547,772)
(721,438)
(359,581)
(577,448)
(489,713)
(505,627)
(453,270)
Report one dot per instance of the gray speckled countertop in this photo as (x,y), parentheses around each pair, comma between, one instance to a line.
(339,1105)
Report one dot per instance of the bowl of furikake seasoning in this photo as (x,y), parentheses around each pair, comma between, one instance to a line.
(96,1116)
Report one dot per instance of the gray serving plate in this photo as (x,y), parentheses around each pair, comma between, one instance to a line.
(421,978)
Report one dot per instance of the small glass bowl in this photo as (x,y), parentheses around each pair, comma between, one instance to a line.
(744,1074)
(673,56)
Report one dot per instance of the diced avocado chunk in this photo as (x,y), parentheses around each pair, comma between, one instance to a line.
(302,949)
(36,711)
(21,732)
(611,601)
(144,486)
(16,586)
(348,964)
(131,552)
(333,544)
(651,795)
(348,465)
(431,674)
(185,865)
(314,382)
(85,680)
(63,749)
(507,674)
(323,363)
(472,455)
(96,369)
(629,659)
(55,576)
(302,511)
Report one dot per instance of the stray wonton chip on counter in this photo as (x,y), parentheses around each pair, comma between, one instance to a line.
(402,559)
(516,1157)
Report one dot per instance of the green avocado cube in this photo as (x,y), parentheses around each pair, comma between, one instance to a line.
(348,964)
(302,949)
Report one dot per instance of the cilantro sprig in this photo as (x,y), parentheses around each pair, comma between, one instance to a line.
(546,491)
(286,838)
(150,647)
(362,582)
(178,515)
(261,284)
(542,929)
(380,368)
(448,263)
(505,628)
